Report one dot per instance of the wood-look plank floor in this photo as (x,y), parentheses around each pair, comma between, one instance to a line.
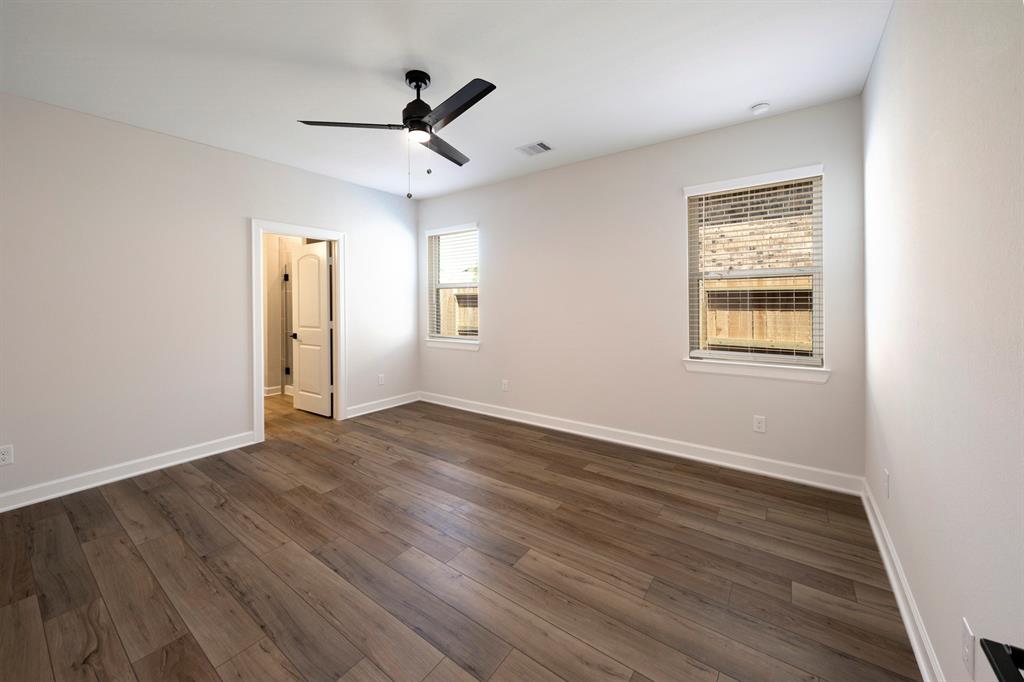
(427,544)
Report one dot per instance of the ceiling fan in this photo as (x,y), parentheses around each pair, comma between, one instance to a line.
(421,121)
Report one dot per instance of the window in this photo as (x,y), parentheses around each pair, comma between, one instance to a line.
(755,275)
(453,271)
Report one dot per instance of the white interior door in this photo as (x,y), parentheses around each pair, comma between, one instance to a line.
(311,336)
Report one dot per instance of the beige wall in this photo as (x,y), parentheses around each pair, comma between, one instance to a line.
(125,303)
(277,250)
(582,294)
(944,169)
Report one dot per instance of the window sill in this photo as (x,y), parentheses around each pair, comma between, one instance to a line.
(453,344)
(810,375)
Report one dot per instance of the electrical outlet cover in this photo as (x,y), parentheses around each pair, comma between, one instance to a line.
(6,454)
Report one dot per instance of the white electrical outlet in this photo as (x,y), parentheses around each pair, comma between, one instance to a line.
(6,455)
(380,379)
(967,647)
(504,384)
(760,423)
(888,483)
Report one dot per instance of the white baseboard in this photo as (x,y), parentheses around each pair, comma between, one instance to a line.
(289,389)
(382,404)
(271,390)
(797,473)
(90,479)
(924,652)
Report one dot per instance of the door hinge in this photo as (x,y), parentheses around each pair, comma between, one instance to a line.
(287,370)
(330,325)
(330,260)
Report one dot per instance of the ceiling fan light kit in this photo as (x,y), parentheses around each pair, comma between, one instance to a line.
(422,122)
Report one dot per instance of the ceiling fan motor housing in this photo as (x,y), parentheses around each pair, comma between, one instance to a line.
(414,112)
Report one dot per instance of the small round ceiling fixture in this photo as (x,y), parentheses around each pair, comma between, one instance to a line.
(760,108)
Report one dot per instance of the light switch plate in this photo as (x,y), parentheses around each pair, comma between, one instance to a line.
(967,647)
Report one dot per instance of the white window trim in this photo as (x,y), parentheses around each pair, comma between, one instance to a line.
(810,375)
(814,375)
(453,344)
(438,342)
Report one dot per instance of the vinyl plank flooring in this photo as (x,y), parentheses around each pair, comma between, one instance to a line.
(862,615)
(90,515)
(456,527)
(691,637)
(204,534)
(623,643)
(783,644)
(447,671)
(218,470)
(259,471)
(365,671)
(518,666)
(84,645)
(852,568)
(289,519)
(16,579)
(138,515)
(573,551)
(220,625)
(62,576)
(396,521)
(423,543)
(153,479)
(669,545)
(141,612)
(552,647)
(398,651)
(23,651)
(251,529)
(315,648)
(882,599)
(368,535)
(820,542)
(460,638)
(835,634)
(181,659)
(299,468)
(262,661)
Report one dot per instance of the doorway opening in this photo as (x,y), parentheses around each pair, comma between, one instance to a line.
(298,321)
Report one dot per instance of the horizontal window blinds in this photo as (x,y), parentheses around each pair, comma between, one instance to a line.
(755,273)
(453,277)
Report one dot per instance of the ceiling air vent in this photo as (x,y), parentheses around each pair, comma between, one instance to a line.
(535,148)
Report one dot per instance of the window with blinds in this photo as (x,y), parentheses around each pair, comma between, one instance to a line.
(453,271)
(755,273)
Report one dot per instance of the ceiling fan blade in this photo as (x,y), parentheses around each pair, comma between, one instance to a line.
(339,124)
(453,107)
(439,146)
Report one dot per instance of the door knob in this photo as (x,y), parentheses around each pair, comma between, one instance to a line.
(294,336)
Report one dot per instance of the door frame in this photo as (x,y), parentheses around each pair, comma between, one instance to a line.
(339,360)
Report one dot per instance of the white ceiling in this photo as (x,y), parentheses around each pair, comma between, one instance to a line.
(587,78)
